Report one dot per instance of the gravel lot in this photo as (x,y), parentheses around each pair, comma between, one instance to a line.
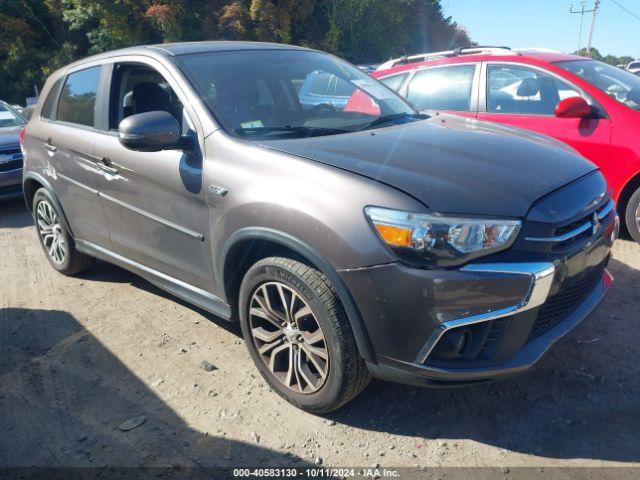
(105,369)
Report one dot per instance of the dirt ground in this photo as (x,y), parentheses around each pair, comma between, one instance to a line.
(105,369)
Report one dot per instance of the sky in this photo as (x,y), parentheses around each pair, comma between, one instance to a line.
(548,24)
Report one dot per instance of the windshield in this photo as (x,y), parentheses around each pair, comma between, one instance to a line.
(615,82)
(9,117)
(275,93)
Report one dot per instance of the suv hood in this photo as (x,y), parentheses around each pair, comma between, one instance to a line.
(451,164)
(9,136)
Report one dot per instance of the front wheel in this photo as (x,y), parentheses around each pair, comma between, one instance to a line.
(298,335)
(632,216)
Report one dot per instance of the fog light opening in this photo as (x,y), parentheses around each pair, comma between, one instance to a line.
(454,344)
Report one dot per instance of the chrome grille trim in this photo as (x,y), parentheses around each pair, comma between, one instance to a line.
(588,225)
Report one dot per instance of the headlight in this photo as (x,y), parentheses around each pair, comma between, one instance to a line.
(420,238)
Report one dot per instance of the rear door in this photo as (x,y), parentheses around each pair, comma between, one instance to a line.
(526,97)
(68,139)
(445,88)
(154,200)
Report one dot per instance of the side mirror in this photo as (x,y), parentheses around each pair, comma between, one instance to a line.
(574,107)
(149,132)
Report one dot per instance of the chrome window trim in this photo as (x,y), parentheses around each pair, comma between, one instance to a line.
(541,273)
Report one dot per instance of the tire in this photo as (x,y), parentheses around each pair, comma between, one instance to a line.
(55,239)
(314,307)
(632,216)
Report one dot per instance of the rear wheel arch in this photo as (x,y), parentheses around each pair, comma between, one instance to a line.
(249,245)
(31,183)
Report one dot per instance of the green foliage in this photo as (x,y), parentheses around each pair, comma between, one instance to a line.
(39,36)
(610,59)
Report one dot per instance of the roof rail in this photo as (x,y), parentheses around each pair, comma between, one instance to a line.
(481,49)
(536,50)
(424,57)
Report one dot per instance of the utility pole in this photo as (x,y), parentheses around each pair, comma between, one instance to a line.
(593,24)
(582,11)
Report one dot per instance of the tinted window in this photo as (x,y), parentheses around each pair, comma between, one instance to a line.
(394,82)
(447,88)
(138,89)
(521,90)
(78,99)
(50,103)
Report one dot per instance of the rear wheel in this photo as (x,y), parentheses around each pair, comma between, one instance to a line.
(54,237)
(298,335)
(632,216)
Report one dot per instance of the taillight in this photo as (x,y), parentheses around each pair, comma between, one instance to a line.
(21,135)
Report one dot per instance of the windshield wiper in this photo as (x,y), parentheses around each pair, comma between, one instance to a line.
(290,129)
(392,117)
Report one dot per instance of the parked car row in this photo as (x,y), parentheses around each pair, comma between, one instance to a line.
(349,233)
(587,104)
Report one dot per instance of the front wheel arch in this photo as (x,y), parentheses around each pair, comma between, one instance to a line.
(625,195)
(305,253)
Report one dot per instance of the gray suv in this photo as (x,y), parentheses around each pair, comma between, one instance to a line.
(351,241)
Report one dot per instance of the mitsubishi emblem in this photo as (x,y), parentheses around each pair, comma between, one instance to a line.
(595,223)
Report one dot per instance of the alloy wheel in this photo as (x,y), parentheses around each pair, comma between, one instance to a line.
(288,337)
(50,231)
(638,216)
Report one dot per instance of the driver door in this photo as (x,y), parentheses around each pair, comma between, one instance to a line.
(526,97)
(154,201)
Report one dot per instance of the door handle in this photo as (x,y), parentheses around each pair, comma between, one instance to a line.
(104,164)
(49,146)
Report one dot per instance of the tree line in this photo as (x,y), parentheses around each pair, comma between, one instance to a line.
(610,59)
(39,36)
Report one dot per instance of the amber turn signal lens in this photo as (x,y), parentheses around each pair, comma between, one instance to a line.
(396,236)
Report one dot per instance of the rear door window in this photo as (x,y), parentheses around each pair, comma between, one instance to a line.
(78,98)
(444,88)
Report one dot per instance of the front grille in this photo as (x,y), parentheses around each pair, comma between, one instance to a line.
(10,159)
(565,236)
(566,300)
(12,165)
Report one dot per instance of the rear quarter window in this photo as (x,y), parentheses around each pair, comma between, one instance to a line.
(78,98)
(48,109)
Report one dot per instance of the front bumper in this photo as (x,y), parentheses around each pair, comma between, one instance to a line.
(516,306)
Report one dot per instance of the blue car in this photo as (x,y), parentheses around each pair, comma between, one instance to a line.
(11,122)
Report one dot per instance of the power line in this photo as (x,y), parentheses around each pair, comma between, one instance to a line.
(637,17)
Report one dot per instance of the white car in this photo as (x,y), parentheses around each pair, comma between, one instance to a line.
(634,67)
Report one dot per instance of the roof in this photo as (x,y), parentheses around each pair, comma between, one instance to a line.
(519,56)
(185,48)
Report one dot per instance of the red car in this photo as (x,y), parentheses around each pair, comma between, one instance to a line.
(592,106)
